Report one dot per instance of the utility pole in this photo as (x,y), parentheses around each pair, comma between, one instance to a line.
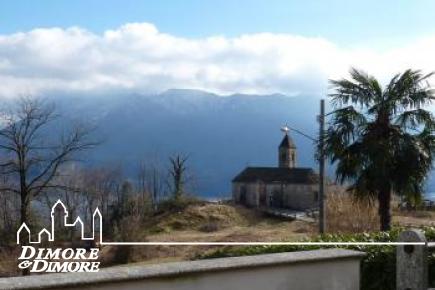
(322,219)
(321,155)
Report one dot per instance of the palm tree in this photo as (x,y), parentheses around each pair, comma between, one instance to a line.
(381,139)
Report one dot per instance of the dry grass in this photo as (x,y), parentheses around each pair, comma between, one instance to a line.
(200,216)
(266,231)
(208,222)
(8,261)
(345,214)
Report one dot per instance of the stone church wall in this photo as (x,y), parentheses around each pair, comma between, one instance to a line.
(246,193)
(301,196)
(293,196)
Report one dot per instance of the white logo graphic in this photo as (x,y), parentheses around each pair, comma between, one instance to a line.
(96,225)
(58,259)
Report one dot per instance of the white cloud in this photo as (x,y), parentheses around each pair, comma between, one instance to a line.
(137,57)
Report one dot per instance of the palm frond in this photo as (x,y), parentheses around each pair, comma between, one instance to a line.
(362,89)
(414,118)
(410,90)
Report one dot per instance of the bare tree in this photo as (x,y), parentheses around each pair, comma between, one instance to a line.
(32,161)
(101,187)
(178,174)
(151,183)
(157,185)
(72,180)
(142,182)
(9,213)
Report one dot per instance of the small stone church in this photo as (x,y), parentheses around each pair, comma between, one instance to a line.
(285,186)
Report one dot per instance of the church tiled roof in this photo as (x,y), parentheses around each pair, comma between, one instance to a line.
(278,174)
(287,142)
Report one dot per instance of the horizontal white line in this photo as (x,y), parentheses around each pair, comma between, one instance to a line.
(263,243)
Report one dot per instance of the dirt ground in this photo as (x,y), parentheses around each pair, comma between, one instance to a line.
(414,218)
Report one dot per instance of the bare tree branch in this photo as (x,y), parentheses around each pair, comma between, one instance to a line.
(31,158)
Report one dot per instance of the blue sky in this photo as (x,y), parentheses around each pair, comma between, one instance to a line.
(382,23)
(239,46)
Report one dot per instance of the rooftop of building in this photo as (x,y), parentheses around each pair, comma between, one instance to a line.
(296,175)
(287,142)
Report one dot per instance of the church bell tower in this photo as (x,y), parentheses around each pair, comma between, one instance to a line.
(287,151)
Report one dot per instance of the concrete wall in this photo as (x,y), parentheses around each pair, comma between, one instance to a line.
(321,270)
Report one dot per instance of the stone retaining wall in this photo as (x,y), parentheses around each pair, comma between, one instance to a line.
(321,269)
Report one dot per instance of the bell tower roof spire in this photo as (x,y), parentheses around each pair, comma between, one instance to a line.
(287,141)
(287,150)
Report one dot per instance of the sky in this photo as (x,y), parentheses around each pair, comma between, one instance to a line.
(275,46)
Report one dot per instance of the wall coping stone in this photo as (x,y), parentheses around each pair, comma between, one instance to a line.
(138,272)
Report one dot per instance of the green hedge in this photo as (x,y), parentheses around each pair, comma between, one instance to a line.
(378,267)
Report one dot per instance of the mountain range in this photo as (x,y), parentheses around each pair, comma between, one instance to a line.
(220,134)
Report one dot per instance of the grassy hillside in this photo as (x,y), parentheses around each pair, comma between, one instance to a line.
(205,222)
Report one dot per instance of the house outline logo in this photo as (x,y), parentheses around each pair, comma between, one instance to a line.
(52,259)
(50,234)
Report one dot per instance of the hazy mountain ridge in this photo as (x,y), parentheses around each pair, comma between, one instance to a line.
(221,134)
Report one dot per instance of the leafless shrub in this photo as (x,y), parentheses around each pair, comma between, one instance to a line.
(346,214)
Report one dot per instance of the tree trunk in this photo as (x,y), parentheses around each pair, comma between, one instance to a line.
(384,198)
(24,211)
